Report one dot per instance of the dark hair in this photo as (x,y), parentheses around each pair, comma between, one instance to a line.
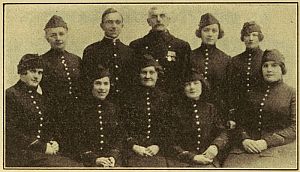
(108,11)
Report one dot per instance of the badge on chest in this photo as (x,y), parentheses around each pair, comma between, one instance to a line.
(171,56)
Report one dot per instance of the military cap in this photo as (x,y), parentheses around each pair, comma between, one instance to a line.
(194,75)
(147,60)
(209,19)
(249,27)
(99,72)
(56,21)
(29,61)
(276,56)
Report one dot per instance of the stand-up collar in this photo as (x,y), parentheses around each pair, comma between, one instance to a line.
(207,46)
(21,85)
(109,40)
(253,50)
(164,35)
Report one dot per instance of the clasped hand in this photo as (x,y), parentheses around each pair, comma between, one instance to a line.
(52,148)
(146,151)
(254,146)
(106,161)
(207,156)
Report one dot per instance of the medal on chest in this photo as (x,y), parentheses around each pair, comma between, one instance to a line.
(171,56)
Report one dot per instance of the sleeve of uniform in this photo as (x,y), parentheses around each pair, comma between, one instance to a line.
(222,136)
(288,134)
(118,135)
(87,155)
(230,91)
(131,138)
(14,132)
(186,63)
(176,136)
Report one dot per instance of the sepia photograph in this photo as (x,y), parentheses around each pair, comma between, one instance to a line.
(150,86)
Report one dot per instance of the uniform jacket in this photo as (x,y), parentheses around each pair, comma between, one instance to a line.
(61,81)
(146,112)
(244,73)
(61,84)
(197,126)
(101,133)
(212,63)
(115,56)
(28,124)
(269,114)
(171,53)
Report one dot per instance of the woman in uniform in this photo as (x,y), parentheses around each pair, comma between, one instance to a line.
(267,121)
(146,111)
(101,137)
(211,61)
(198,134)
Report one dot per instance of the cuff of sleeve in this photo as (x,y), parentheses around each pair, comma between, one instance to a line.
(219,143)
(274,140)
(131,141)
(186,156)
(38,146)
(245,135)
(89,158)
(115,153)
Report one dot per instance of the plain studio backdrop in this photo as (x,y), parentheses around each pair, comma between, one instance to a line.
(24,24)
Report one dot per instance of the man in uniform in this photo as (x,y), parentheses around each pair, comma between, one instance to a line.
(111,53)
(29,131)
(61,83)
(244,70)
(172,53)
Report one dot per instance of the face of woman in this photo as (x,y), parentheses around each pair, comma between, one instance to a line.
(193,89)
(101,88)
(148,76)
(271,71)
(209,34)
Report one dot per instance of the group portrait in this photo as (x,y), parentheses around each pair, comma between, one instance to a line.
(150,85)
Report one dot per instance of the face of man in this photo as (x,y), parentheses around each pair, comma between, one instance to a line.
(32,77)
(148,76)
(251,40)
(101,88)
(57,37)
(209,34)
(112,24)
(193,89)
(158,20)
(271,71)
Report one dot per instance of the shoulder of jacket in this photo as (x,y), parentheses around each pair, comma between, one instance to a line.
(137,42)
(92,46)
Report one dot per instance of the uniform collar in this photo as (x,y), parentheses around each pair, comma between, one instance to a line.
(91,101)
(191,101)
(253,50)
(160,35)
(57,53)
(207,46)
(22,86)
(273,84)
(109,40)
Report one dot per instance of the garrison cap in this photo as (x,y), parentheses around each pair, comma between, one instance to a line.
(56,21)
(249,27)
(99,72)
(147,60)
(209,19)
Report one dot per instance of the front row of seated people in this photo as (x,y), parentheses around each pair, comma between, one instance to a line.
(151,129)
